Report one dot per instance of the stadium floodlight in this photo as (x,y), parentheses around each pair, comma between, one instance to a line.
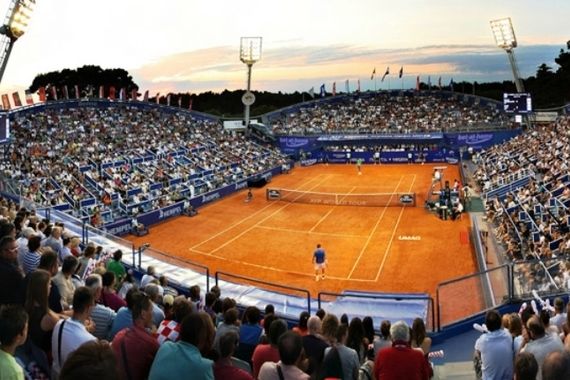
(249,53)
(505,38)
(15,25)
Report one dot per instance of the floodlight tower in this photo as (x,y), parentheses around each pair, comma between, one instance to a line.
(249,53)
(14,26)
(506,39)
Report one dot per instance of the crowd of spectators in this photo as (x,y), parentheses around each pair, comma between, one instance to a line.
(61,320)
(385,113)
(64,156)
(532,221)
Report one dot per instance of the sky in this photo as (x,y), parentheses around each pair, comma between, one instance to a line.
(193,45)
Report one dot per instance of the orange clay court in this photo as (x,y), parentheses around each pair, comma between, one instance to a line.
(366,247)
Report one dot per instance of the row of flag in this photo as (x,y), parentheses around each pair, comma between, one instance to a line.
(65,94)
(323,91)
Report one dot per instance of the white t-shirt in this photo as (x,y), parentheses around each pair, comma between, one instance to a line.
(73,336)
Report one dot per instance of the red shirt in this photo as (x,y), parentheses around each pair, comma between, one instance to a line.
(263,353)
(112,300)
(401,362)
(223,369)
(140,348)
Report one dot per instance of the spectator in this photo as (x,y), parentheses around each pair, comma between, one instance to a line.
(329,328)
(224,367)
(109,297)
(134,347)
(314,345)
(31,259)
(292,360)
(268,352)
(87,260)
(11,276)
(73,332)
(348,356)
(124,317)
(93,360)
(301,328)
(101,315)
(13,333)
(151,291)
(356,339)
(401,361)
(127,284)
(419,337)
(55,242)
(541,344)
(526,367)
(178,360)
(495,349)
(168,290)
(559,315)
(169,330)
(116,266)
(249,333)
(42,318)
(148,277)
(48,262)
(269,310)
(368,325)
(556,366)
(63,280)
(23,241)
(231,323)
(385,340)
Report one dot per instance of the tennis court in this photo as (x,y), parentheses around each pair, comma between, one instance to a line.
(392,249)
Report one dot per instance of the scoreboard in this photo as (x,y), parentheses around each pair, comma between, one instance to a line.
(517,102)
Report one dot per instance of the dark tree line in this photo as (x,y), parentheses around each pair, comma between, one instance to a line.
(550,87)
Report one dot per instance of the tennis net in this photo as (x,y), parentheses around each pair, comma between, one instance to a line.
(339,199)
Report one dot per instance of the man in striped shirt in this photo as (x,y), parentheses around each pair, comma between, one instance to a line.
(103,316)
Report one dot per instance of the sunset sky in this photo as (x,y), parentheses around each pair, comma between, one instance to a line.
(193,45)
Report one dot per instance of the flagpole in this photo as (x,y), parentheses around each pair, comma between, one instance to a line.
(375,90)
(389,88)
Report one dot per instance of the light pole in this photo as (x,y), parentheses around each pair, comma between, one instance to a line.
(249,53)
(506,39)
(14,26)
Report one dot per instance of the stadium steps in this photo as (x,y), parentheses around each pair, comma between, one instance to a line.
(454,371)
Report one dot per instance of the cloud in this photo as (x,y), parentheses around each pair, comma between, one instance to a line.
(297,67)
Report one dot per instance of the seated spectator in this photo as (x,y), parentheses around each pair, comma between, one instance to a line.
(169,330)
(109,296)
(356,339)
(70,334)
(11,276)
(13,333)
(384,340)
(540,343)
(152,292)
(301,328)
(101,315)
(149,276)
(291,363)
(314,345)
(419,337)
(348,356)
(178,360)
(329,328)
(167,289)
(226,367)
(556,366)
(250,331)
(526,367)
(124,317)
(231,323)
(63,280)
(268,352)
(134,347)
(93,360)
(401,361)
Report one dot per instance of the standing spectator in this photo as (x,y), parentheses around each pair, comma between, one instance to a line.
(541,344)
(385,340)
(186,357)
(116,266)
(87,260)
(268,352)
(124,318)
(290,366)
(559,315)
(401,361)
(11,276)
(348,356)
(368,325)
(495,349)
(71,333)
(48,262)
(63,280)
(13,333)
(556,366)
(22,241)
(134,347)
(419,337)
(356,339)
(224,367)
(55,242)
(314,345)
(127,284)
(101,315)
(329,328)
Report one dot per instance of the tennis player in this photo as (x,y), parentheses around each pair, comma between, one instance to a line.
(359,166)
(320,262)
(249,196)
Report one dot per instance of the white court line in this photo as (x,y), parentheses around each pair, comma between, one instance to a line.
(373,231)
(287,271)
(311,232)
(262,220)
(330,211)
(244,219)
(387,252)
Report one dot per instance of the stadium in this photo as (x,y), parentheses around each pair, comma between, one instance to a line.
(429,206)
